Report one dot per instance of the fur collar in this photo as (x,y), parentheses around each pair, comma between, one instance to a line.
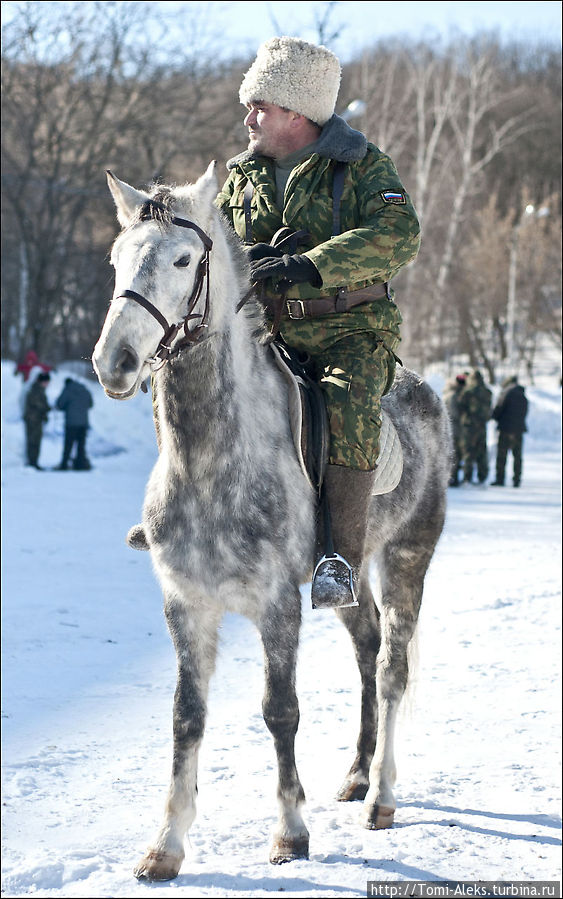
(336,141)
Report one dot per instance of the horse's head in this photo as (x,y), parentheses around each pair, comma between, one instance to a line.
(161,280)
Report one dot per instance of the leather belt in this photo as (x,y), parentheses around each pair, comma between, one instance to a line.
(343,301)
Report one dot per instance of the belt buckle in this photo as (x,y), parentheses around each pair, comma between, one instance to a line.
(291,311)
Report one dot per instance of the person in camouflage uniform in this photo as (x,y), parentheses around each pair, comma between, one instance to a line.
(474,412)
(36,413)
(451,395)
(285,179)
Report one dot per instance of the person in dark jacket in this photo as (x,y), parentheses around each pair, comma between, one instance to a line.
(75,401)
(510,415)
(36,413)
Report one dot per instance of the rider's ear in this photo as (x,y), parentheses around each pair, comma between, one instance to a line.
(127,199)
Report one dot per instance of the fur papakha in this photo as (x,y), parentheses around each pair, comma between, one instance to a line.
(296,75)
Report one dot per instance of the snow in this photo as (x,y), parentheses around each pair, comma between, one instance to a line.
(89,672)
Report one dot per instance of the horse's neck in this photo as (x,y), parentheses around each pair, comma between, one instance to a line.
(214,402)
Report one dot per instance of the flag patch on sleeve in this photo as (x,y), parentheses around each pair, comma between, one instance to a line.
(393,196)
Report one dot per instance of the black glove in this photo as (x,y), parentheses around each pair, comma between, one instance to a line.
(261,250)
(296,269)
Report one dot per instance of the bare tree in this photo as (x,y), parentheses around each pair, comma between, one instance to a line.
(379,79)
(327,31)
(537,276)
(480,319)
(461,126)
(83,89)
(90,86)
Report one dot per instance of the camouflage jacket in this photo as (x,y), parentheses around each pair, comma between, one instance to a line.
(475,402)
(379,229)
(451,396)
(36,405)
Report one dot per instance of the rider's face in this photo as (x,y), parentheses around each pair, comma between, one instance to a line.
(269,129)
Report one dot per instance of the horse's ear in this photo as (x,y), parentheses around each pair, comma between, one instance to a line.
(127,199)
(207,185)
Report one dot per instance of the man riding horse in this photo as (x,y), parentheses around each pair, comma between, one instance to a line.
(349,226)
(338,307)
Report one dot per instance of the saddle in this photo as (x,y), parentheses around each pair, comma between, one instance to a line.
(310,427)
(307,413)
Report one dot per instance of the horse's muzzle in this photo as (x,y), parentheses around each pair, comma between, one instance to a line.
(118,371)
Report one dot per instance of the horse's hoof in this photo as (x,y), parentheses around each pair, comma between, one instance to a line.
(287,850)
(380,817)
(158,866)
(350,791)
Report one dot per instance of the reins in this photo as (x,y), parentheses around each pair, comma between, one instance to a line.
(165,351)
(285,239)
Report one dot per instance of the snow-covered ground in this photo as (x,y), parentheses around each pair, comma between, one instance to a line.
(89,672)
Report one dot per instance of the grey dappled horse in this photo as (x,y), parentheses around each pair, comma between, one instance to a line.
(229,515)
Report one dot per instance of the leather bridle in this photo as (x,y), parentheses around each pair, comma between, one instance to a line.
(165,351)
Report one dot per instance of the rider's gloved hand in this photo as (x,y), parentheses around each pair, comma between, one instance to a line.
(297,269)
(261,250)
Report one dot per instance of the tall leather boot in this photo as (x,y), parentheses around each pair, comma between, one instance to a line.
(337,571)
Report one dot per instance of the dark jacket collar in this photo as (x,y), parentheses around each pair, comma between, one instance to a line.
(337,141)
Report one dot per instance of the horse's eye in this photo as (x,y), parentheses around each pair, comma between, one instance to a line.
(183,262)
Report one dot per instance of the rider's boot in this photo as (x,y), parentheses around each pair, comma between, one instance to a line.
(337,571)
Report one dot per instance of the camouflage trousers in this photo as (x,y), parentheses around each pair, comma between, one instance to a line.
(475,453)
(33,436)
(353,357)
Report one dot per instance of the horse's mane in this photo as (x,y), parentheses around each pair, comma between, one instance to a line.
(158,207)
(253,310)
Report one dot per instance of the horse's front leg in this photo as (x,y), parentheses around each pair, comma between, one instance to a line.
(280,636)
(195,638)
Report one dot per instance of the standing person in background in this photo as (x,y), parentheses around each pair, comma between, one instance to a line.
(29,368)
(475,411)
(75,401)
(451,395)
(36,413)
(510,415)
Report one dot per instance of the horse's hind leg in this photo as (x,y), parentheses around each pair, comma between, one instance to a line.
(280,634)
(402,569)
(363,626)
(195,639)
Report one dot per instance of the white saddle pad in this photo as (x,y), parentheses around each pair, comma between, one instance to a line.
(390,459)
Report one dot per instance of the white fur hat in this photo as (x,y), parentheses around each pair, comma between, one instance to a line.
(294,74)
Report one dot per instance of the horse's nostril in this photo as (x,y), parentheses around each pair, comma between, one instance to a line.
(127,360)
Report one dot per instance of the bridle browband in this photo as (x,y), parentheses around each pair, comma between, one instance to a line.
(164,351)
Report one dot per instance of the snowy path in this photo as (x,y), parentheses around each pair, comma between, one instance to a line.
(88,678)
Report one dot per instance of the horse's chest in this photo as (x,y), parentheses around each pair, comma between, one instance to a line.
(213,535)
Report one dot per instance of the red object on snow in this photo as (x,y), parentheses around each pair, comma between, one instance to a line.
(30,361)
